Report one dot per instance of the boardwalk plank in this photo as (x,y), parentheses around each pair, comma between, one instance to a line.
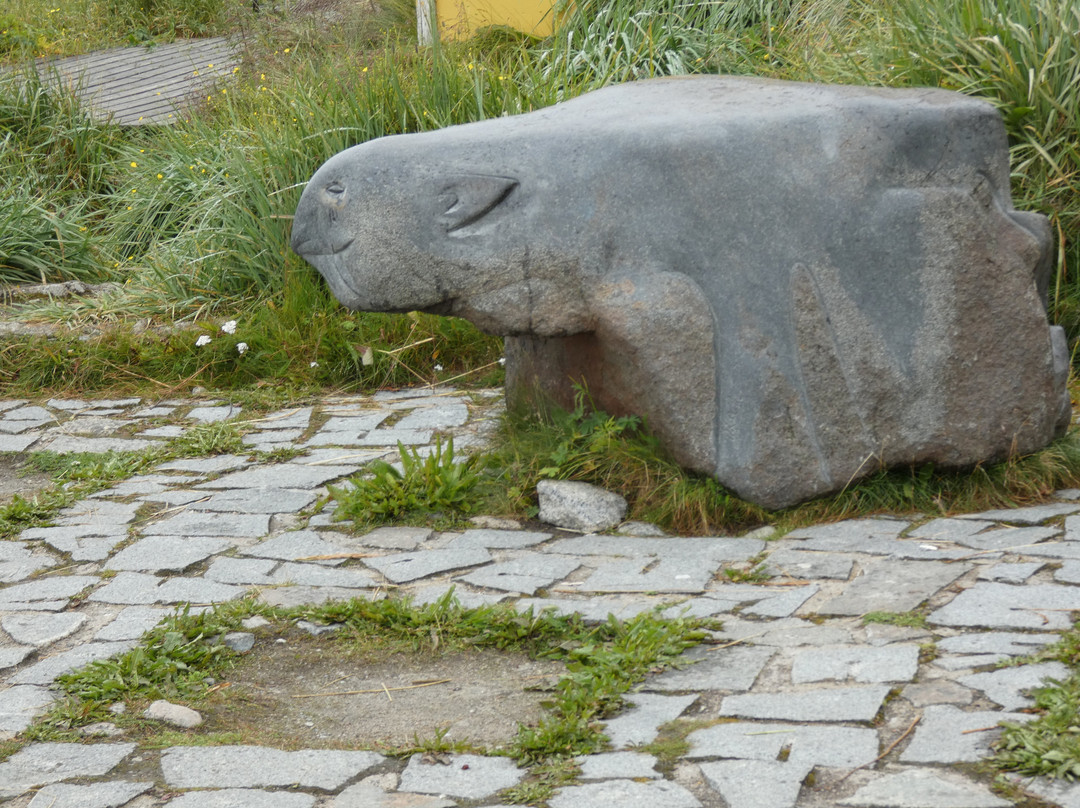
(141,85)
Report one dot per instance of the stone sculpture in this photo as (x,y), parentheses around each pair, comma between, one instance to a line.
(794,284)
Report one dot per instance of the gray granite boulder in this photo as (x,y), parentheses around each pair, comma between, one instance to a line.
(796,284)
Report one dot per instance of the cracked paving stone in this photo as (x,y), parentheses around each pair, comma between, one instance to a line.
(404,567)
(42,763)
(205,523)
(96,795)
(1014,573)
(524,575)
(1025,516)
(44,591)
(37,629)
(640,724)
(1061,793)
(945,735)
(810,745)
(734,669)
(242,798)
(888,663)
(166,553)
(756,783)
(280,475)
(834,704)
(140,589)
(894,586)
(1006,686)
(806,564)
(256,500)
(470,777)
(624,794)
(1043,607)
(370,795)
(257,766)
(763,601)
(81,542)
(923,788)
(19,705)
(686,575)
(297,544)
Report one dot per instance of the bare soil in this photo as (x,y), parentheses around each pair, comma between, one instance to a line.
(13,482)
(313,692)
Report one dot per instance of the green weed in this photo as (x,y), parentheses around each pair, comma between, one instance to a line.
(906,619)
(436,484)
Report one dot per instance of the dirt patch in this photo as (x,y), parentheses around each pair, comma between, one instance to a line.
(13,482)
(476,696)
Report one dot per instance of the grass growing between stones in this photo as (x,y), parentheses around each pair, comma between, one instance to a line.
(76,475)
(619,454)
(1049,745)
(186,659)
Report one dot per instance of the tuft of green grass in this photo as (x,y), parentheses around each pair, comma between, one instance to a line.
(906,619)
(425,486)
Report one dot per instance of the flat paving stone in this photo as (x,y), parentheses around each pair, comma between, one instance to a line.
(762,601)
(81,542)
(923,788)
(404,567)
(242,798)
(42,763)
(12,655)
(1042,607)
(441,417)
(314,575)
(46,671)
(1001,644)
(166,553)
(202,523)
(640,724)
(396,538)
(804,564)
(132,622)
(16,443)
(646,575)
(297,544)
(256,500)
(368,794)
(706,550)
(44,590)
(392,437)
(1007,686)
(258,766)
(290,596)
(68,444)
(469,777)
(499,539)
(246,571)
(888,663)
(140,589)
(19,705)
(96,795)
(894,586)
(618,765)
(213,414)
(756,783)
(809,744)
(524,575)
(849,536)
(1032,515)
(835,704)
(1060,792)
(218,464)
(280,475)
(937,691)
(733,669)
(944,735)
(624,794)
(37,629)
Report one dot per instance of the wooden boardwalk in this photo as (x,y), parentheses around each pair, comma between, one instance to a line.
(144,85)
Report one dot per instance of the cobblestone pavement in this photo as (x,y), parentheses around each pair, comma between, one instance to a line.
(804,685)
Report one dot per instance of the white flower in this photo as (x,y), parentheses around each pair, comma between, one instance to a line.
(502,360)
(438,368)
(230,328)
(201,341)
(313,365)
(241,348)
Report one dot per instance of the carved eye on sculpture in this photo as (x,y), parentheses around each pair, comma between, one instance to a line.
(468,198)
(334,194)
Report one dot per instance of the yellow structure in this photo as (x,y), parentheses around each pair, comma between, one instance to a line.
(459,19)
